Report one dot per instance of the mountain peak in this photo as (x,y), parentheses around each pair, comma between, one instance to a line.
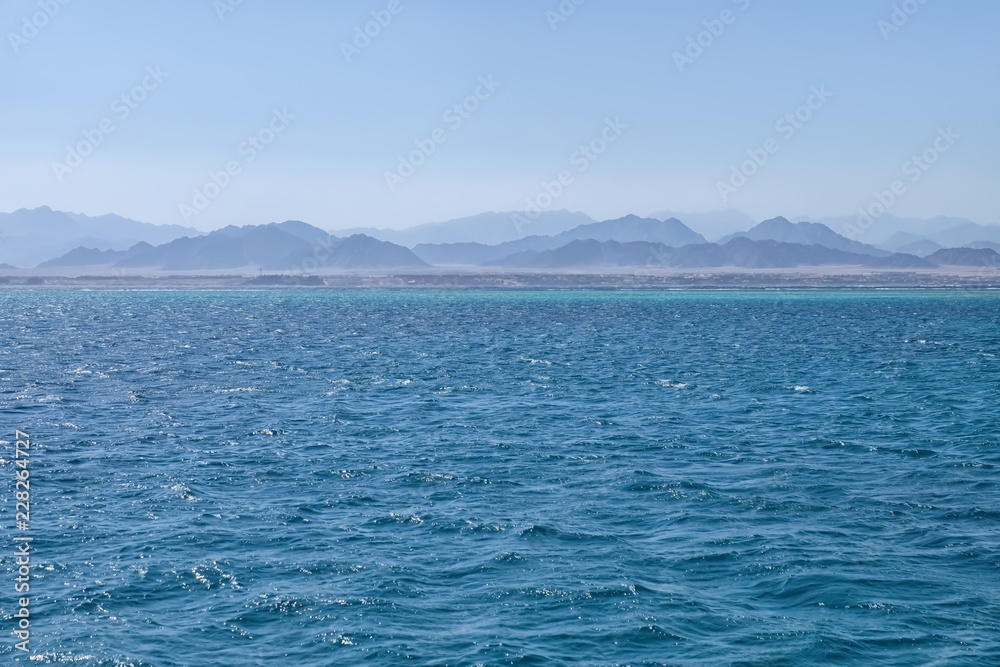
(804,233)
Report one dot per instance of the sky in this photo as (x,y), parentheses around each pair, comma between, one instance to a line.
(391,113)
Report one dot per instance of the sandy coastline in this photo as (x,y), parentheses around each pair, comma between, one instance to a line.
(804,278)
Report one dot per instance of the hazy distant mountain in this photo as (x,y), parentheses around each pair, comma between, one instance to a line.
(901,240)
(589,254)
(966,257)
(467,254)
(920,248)
(767,253)
(630,241)
(985,244)
(289,245)
(86,257)
(630,228)
(739,252)
(28,237)
(805,233)
(266,246)
(670,232)
(964,234)
(883,229)
(485,228)
(714,225)
(360,252)
(899,260)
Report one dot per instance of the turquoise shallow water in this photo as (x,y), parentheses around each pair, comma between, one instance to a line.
(536,478)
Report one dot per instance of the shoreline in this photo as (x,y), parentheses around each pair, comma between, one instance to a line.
(693,280)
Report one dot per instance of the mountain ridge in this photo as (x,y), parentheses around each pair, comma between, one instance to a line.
(299,246)
(489,228)
(739,252)
(35,235)
(625,229)
(804,233)
(290,245)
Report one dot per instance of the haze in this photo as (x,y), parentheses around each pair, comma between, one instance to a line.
(534,83)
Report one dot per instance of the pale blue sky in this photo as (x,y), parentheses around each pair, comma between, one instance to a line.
(608,60)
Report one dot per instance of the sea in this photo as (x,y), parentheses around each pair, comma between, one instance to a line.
(377,477)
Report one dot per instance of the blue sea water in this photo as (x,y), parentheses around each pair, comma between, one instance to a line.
(505,478)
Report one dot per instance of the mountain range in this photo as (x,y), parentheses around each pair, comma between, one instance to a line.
(28,237)
(739,252)
(485,228)
(894,233)
(712,225)
(670,232)
(630,241)
(284,246)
